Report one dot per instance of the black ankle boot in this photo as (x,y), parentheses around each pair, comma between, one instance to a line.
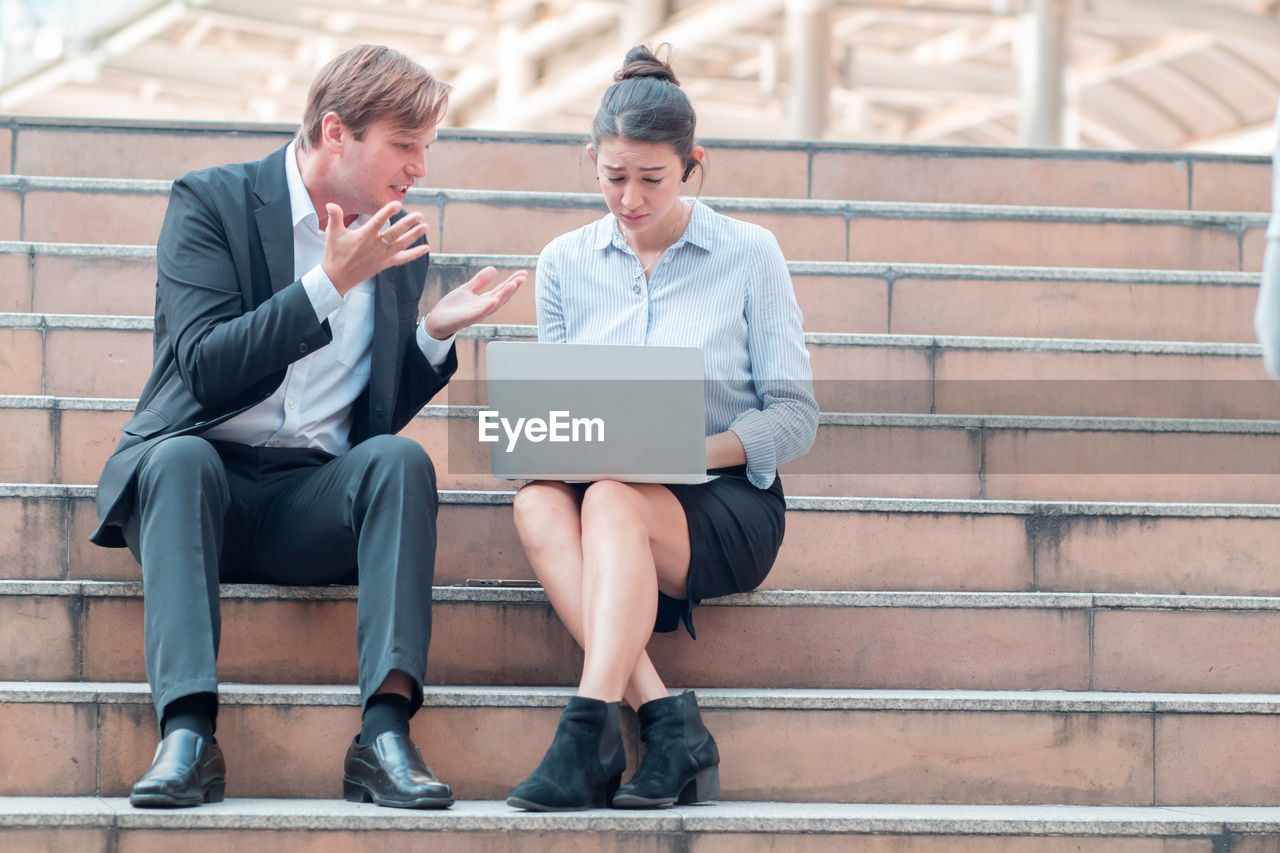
(680,762)
(584,765)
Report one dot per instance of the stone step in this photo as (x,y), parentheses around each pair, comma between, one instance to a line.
(95,356)
(29,824)
(1039,302)
(92,630)
(93,739)
(555,162)
(67,440)
(71,210)
(831,543)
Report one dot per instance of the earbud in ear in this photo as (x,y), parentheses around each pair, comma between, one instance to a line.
(688,170)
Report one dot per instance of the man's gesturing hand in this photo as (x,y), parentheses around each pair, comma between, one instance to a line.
(465,305)
(352,255)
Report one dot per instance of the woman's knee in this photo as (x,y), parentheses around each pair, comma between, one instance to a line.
(611,505)
(537,506)
(611,497)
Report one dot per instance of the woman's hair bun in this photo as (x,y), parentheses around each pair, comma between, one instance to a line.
(643,62)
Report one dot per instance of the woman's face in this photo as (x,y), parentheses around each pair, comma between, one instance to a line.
(641,184)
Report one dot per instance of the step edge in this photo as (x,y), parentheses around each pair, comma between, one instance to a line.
(920,420)
(849,208)
(719,817)
(772,598)
(709,698)
(818,503)
(189,127)
(861,269)
(489,331)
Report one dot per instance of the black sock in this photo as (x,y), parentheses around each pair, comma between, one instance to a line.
(195,712)
(386,712)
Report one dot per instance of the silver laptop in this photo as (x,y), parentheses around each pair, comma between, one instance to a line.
(585,412)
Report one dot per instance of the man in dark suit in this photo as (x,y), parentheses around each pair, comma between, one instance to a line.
(288,353)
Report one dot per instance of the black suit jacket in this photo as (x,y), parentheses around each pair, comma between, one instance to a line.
(231,316)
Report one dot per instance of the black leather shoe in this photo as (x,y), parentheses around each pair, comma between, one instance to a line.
(187,771)
(390,772)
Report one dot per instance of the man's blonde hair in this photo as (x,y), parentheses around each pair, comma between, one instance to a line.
(369,83)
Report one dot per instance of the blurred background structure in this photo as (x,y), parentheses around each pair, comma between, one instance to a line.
(1118,74)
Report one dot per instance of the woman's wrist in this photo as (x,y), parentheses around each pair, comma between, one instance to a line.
(724,450)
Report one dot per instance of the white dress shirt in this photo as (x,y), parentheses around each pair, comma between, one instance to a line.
(312,406)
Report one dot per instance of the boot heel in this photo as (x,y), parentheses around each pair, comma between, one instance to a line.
(215,793)
(353,793)
(705,785)
(602,797)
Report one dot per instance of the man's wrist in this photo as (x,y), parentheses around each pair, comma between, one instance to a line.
(325,297)
(435,332)
(435,349)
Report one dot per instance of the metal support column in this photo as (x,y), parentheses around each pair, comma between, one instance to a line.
(809,47)
(517,71)
(1042,72)
(642,19)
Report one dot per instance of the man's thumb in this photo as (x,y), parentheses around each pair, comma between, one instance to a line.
(335,215)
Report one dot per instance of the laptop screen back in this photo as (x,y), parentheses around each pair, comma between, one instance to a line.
(582,412)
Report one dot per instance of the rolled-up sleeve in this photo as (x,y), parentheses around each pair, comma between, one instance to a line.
(785,426)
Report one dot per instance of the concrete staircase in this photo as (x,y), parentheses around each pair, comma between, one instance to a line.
(1029,597)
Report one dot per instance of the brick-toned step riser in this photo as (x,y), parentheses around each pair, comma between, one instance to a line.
(46,539)
(314,643)
(798,756)
(458,225)
(157,840)
(931,459)
(849,376)
(962,462)
(944,648)
(1103,310)
(790,170)
(123,286)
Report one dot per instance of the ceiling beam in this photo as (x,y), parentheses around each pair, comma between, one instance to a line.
(696,26)
(1199,16)
(1148,55)
(1242,140)
(86,64)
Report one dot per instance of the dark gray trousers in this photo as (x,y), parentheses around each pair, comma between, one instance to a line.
(210,511)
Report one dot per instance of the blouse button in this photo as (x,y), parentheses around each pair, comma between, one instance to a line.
(636,288)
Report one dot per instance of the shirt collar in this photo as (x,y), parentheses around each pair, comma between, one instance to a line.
(697,232)
(300,206)
(299,199)
(700,226)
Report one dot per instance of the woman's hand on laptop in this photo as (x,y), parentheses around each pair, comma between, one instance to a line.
(465,305)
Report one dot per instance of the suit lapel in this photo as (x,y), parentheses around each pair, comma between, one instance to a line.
(275,220)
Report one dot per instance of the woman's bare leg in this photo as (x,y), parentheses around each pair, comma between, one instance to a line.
(638,540)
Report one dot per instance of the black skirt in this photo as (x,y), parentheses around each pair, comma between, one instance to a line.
(735,531)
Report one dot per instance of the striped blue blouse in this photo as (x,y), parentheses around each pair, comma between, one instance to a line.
(722,287)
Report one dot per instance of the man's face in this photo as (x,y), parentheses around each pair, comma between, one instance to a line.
(382,167)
